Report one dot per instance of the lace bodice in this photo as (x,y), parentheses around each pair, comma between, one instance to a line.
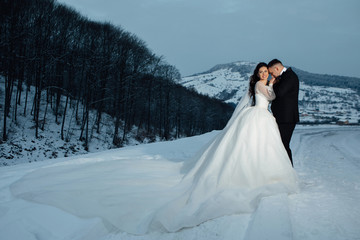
(263,95)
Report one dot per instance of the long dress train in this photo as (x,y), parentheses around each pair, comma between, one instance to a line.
(243,163)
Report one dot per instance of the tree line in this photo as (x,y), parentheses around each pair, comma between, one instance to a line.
(314,79)
(97,67)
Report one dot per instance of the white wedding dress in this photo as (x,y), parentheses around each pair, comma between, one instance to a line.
(243,163)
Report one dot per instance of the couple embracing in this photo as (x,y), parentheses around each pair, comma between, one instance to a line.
(249,159)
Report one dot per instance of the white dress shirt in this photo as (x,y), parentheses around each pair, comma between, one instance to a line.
(282,71)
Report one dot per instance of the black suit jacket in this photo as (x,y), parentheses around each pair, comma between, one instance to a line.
(285,106)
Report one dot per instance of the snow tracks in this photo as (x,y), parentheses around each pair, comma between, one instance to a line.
(271,220)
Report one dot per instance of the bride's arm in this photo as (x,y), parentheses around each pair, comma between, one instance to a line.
(266,91)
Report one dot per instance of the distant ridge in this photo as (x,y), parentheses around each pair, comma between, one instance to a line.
(323,98)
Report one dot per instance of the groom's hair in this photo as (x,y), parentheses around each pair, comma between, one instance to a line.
(274,62)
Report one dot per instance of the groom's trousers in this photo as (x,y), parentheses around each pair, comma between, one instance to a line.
(286,131)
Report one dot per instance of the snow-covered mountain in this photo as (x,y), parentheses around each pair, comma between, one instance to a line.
(318,102)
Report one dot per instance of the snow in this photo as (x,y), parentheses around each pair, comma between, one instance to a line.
(23,147)
(219,82)
(327,206)
(263,220)
(319,102)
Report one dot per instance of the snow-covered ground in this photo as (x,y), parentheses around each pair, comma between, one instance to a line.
(327,159)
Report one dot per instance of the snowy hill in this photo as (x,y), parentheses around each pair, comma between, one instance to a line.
(23,147)
(326,159)
(317,103)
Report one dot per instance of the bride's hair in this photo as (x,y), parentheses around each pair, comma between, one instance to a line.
(254,79)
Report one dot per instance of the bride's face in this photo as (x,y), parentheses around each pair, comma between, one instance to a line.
(263,73)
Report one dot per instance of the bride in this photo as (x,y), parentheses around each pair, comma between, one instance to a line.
(243,163)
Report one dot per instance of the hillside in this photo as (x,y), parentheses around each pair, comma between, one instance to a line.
(23,147)
(322,98)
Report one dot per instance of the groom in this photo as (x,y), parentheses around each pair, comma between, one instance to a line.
(285,106)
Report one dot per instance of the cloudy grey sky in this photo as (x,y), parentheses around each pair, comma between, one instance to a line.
(319,36)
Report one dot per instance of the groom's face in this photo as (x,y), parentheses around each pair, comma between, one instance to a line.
(274,71)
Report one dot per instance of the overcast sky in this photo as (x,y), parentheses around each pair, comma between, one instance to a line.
(319,36)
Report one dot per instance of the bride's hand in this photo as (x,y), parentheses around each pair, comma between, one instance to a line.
(272,80)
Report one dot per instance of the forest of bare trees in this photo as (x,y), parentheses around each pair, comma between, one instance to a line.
(96,67)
